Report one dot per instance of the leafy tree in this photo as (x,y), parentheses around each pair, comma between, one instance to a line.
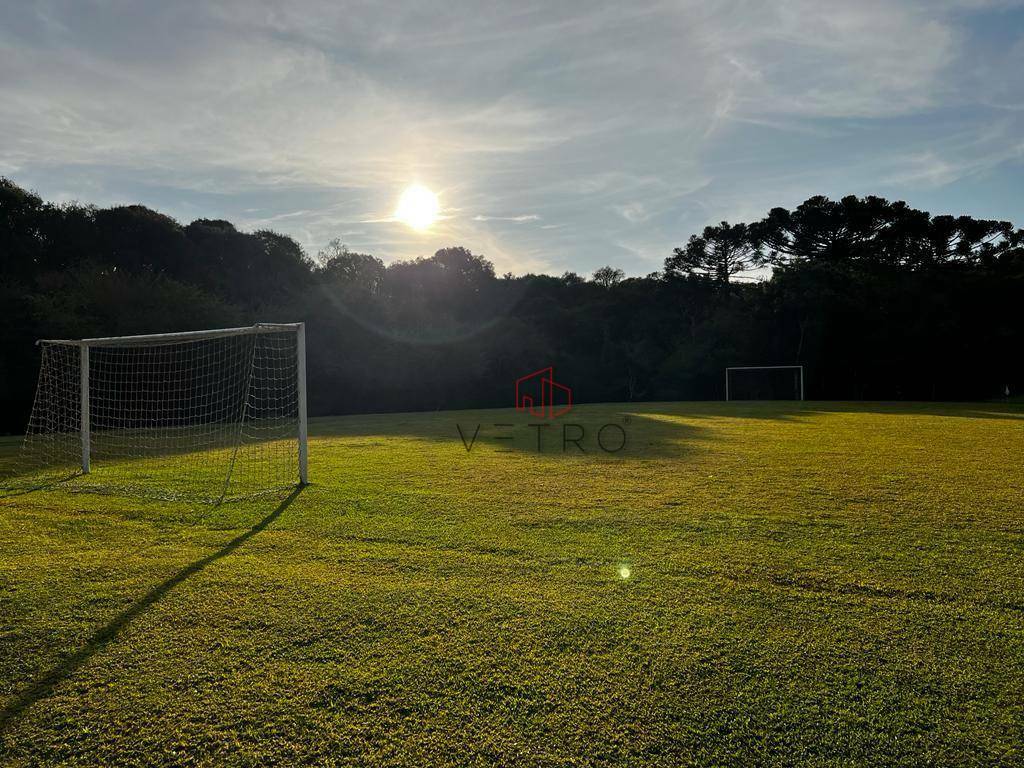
(820,229)
(606,277)
(249,269)
(22,230)
(348,270)
(718,253)
(572,278)
(966,240)
(134,238)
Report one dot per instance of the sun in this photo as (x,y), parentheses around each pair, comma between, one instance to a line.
(418,207)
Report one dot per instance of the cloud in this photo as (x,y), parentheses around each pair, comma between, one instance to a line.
(311,116)
(524,217)
(634,213)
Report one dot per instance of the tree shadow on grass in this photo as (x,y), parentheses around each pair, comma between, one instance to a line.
(649,429)
(791,409)
(615,430)
(45,685)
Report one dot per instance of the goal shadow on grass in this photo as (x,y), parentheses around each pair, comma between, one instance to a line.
(14,486)
(101,638)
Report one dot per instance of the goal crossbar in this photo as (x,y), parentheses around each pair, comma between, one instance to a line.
(175,338)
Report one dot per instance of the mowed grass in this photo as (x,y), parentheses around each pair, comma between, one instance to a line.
(819,584)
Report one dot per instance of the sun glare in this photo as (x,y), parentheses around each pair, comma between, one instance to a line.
(417,207)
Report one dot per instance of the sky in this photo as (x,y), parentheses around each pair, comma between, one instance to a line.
(558,136)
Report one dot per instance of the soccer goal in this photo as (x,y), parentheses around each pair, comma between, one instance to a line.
(203,414)
(764,382)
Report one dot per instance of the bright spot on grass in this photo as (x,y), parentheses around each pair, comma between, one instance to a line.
(625,571)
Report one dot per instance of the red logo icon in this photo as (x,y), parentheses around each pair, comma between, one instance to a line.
(541,395)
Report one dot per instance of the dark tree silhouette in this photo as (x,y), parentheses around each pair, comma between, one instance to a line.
(348,271)
(718,253)
(606,277)
(876,299)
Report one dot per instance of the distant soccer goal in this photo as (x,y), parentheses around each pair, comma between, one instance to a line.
(204,414)
(764,382)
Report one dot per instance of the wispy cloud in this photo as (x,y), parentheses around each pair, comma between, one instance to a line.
(630,125)
(524,217)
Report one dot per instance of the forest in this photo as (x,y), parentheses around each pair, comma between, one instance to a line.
(876,299)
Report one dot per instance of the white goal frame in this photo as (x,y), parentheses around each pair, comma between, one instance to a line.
(732,368)
(84,345)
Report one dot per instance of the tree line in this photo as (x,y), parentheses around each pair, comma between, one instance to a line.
(876,299)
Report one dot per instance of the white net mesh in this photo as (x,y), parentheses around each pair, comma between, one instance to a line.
(208,418)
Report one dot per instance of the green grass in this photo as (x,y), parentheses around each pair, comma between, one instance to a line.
(832,584)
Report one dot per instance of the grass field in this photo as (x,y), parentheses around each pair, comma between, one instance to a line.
(826,584)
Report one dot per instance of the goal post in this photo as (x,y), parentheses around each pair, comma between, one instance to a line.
(83,406)
(780,379)
(300,378)
(209,414)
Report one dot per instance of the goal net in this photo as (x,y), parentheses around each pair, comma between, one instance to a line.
(764,382)
(206,415)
